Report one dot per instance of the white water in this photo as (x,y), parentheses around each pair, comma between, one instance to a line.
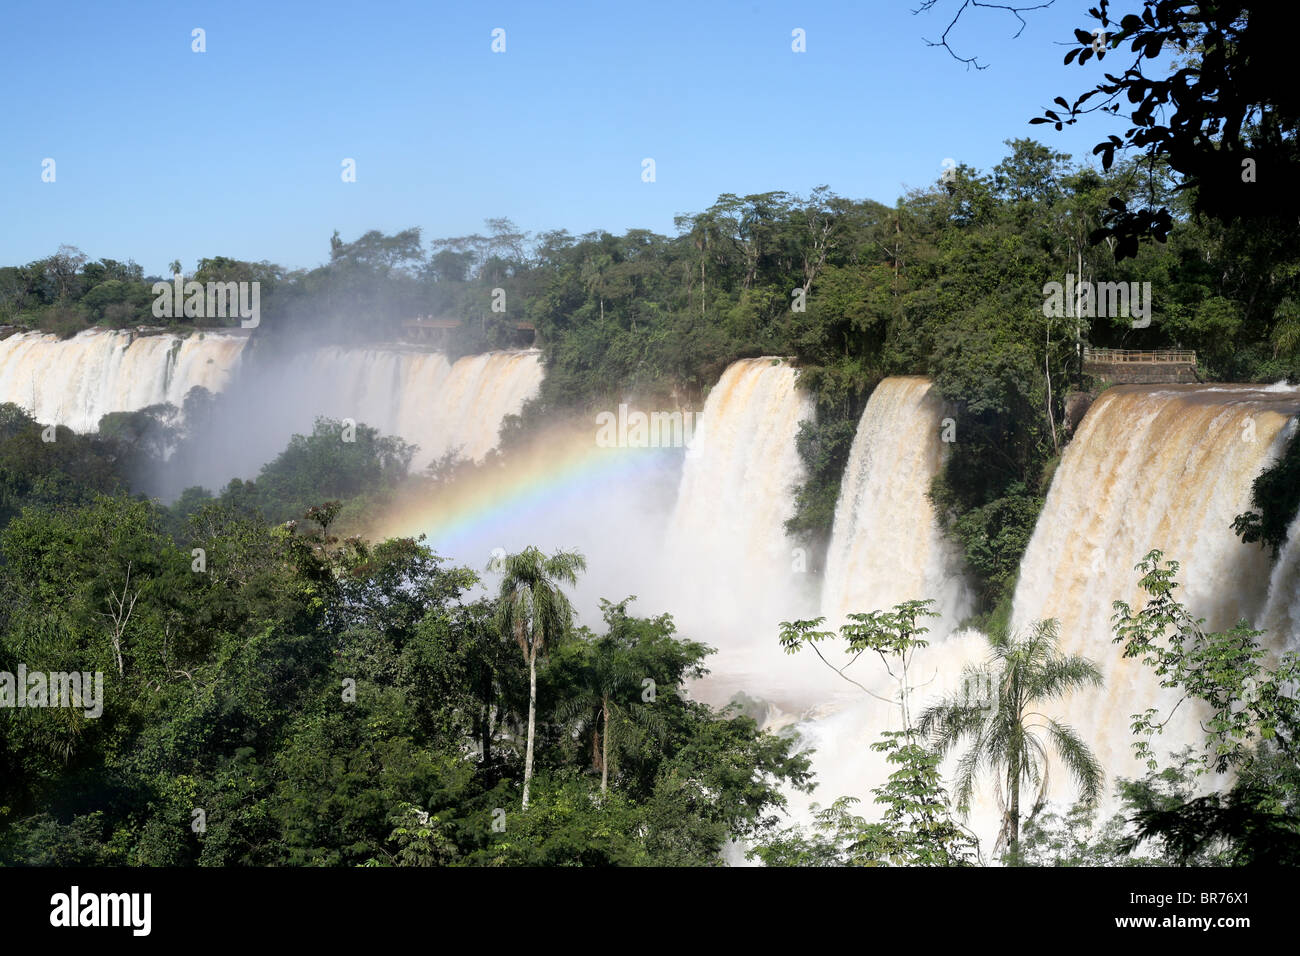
(736,574)
(1163,468)
(886,544)
(77,381)
(438,405)
(886,547)
(1153,468)
(1149,468)
(1282,612)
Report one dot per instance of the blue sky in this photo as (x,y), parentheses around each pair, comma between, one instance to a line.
(164,153)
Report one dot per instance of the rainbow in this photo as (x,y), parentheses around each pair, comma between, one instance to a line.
(554,473)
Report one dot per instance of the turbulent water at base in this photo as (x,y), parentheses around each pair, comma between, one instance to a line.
(1155,468)
(734,570)
(886,545)
(1165,468)
(76,381)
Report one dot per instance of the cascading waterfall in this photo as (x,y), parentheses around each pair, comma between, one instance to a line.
(479,393)
(418,395)
(440,406)
(886,547)
(75,382)
(1149,468)
(886,544)
(1282,612)
(1154,468)
(735,571)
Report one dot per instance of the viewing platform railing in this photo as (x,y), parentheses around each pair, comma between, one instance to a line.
(1141,356)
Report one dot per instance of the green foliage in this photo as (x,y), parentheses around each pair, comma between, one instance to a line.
(335,461)
(996,711)
(824,449)
(916,828)
(300,699)
(1251,729)
(1223,671)
(1165,821)
(1195,50)
(993,539)
(69,470)
(1275,495)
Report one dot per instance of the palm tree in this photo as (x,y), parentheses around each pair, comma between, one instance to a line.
(1004,731)
(604,704)
(534,610)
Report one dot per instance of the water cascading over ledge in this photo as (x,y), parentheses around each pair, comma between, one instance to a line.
(1282,611)
(735,572)
(402,391)
(76,381)
(1149,467)
(440,406)
(1163,468)
(886,543)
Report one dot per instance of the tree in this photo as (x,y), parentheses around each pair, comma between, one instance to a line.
(1221,120)
(1005,737)
(608,678)
(534,611)
(1221,670)
(916,828)
(63,266)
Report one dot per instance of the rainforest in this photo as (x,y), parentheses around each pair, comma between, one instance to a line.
(955,529)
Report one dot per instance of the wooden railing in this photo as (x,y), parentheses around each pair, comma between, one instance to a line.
(1141,356)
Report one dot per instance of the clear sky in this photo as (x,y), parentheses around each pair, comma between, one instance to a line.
(164,153)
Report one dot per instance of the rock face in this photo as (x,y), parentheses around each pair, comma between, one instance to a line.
(1076,406)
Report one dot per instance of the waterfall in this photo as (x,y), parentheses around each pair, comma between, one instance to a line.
(480,391)
(886,544)
(886,547)
(420,396)
(440,406)
(735,571)
(1165,468)
(1282,612)
(75,382)
(1150,468)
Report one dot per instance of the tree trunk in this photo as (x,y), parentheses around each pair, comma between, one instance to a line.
(1078,325)
(604,748)
(1047,369)
(1013,841)
(532,723)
